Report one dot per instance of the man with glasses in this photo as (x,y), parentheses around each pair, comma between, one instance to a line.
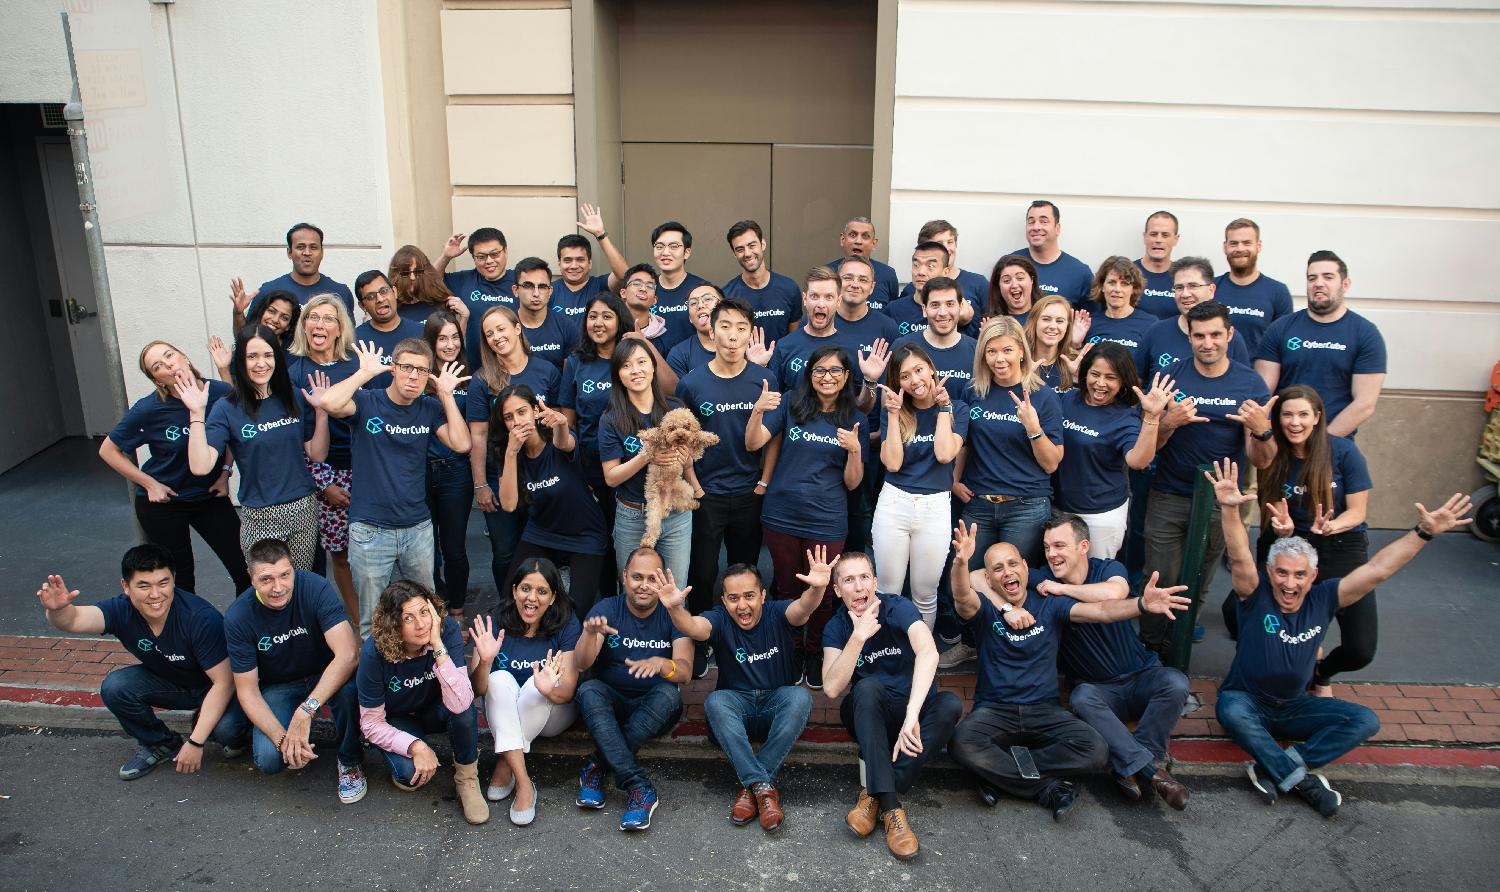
(482,287)
(672,245)
(858,240)
(639,295)
(385,328)
(551,336)
(390,529)
(1166,342)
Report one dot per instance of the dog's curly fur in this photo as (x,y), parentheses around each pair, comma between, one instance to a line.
(666,488)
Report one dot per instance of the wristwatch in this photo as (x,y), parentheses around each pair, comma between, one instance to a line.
(1264,436)
(310,706)
(1006,607)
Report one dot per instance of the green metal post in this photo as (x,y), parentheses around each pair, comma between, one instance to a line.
(1200,515)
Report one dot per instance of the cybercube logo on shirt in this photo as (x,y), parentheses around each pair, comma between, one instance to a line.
(632,444)
(904,328)
(706,409)
(172,433)
(264,644)
(740,655)
(394,684)
(1288,490)
(794,434)
(248,432)
(1272,623)
(1164,360)
(375,425)
(1294,343)
(613,641)
(974,413)
(144,645)
(796,364)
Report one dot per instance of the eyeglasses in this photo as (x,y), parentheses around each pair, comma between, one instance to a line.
(382,291)
(671,247)
(1189,286)
(834,371)
(490,255)
(322,318)
(862,280)
(641,284)
(411,371)
(534,286)
(710,300)
(414,271)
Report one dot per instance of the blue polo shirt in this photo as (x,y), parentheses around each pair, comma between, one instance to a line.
(161,425)
(1129,332)
(921,473)
(887,285)
(756,660)
(1324,355)
(1019,668)
(777,306)
(191,639)
(520,655)
(888,654)
(267,448)
(287,644)
(480,294)
(561,512)
(305,293)
(405,687)
(1253,307)
(1158,299)
(1092,476)
(585,388)
(634,639)
(1277,652)
(390,458)
(1000,460)
(1099,652)
(1165,343)
(1067,275)
(671,305)
(1203,444)
(811,462)
(723,407)
(955,362)
(1350,474)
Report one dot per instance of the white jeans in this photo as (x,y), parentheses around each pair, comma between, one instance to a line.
(519,714)
(1107,531)
(911,532)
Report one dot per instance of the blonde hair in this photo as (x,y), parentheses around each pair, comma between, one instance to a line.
(1065,346)
(164,391)
(342,342)
(1003,327)
(494,372)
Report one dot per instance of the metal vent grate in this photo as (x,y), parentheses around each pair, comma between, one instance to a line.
(52,116)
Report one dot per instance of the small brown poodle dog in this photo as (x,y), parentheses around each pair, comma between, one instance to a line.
(666,488)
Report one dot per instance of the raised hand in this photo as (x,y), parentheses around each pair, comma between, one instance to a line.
(849,438)
(1280,516)
(600,626)
(759,352)
(487,640)
(553,667)
(455,245)
(318,383)
(819,569)
(1155,400)
(1445,518)
(219,352)
(240,296)
(192,392)
(548,416)
(591,220)
(867,621)
(941,396)
(520,435)
(872,362)
(1155,599)
(457,307)
(1253,416)
(667,591)
(1026,412)
(964,539)
(369,355)
(769,400)
(909,741)
(1225,477)
(1180,412)
(449,379)
(1082,322)
(54,594)
(1322,524)
(435,632)
(889,399)
(1074,362)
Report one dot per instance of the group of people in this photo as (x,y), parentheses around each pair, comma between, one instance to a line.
(1046,414)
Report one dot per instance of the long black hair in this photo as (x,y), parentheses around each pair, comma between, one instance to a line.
(258,307)
(1123,364)
(805,402)
(627,420)
(499,437)
(586,348)
(558,612)
(281,381)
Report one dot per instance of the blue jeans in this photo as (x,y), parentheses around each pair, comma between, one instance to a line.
(463,735)
(1328,728)
(449,497)
(505,529)
(776,718)
(130,692)
(379,556)
(620,721)
(1018,522)
(1152,698)
(283,699)
(675,545)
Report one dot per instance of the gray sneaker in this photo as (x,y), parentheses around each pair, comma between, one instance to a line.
(1314,789)
(148,757)
(957,655)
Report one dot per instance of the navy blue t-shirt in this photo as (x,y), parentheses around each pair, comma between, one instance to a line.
(1019,667)
(305,293)
(1324,355)
(390,458)
(561,512)
(1092,476)
(585,388)
(888,654)
(386,341)
(723,406)
(191,639)
(858,335)
(1000,460)
(955,362)
(481,295)
(907,314)
(689,354)
(777,306)
(338,428)
(287,644)
(1129,332)
(520,655)
(974,288)
(634,639)
(1165,343)
(1253,307)
(1099,652)
(571,305)
(811,464)
(921,473)
(887,285)
(617,446)
(268,448)
(553,340)
(405,687)
(1200,443)
(417,313)
(1158,299)
(671,306)
(540,375)
(756,660)
(793,351)
(161,425)
(1277,652)
(1350,474)
(1067,276)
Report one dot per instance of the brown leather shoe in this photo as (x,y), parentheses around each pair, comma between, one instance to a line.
(768,801)
(1128,785)
(1169,789)
(898,836)
(743,811)
(864,816)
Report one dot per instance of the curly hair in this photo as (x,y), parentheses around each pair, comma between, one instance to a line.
(385,624)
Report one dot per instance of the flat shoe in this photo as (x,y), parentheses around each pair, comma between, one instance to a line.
(523,817)
(498,794)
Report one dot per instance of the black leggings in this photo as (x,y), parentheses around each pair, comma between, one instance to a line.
(583,572)
(167,524)
(1359,624)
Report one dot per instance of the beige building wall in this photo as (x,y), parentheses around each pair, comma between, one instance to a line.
(1368,128)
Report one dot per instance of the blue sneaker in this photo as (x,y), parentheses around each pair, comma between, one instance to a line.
(148,757)
(352,784)
(591,786)
(1198,633)
(639,810)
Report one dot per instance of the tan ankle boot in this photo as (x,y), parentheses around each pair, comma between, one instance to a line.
(898,836)
(466,783)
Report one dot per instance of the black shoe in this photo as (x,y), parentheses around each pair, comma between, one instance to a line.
(1060,797)
(813,670)
(1315,790)
(799,668)
(988,794)
(701,655)
(1261,783)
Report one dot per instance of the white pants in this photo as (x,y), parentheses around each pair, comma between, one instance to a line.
(519,714)
(911,532)
(1107,531)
